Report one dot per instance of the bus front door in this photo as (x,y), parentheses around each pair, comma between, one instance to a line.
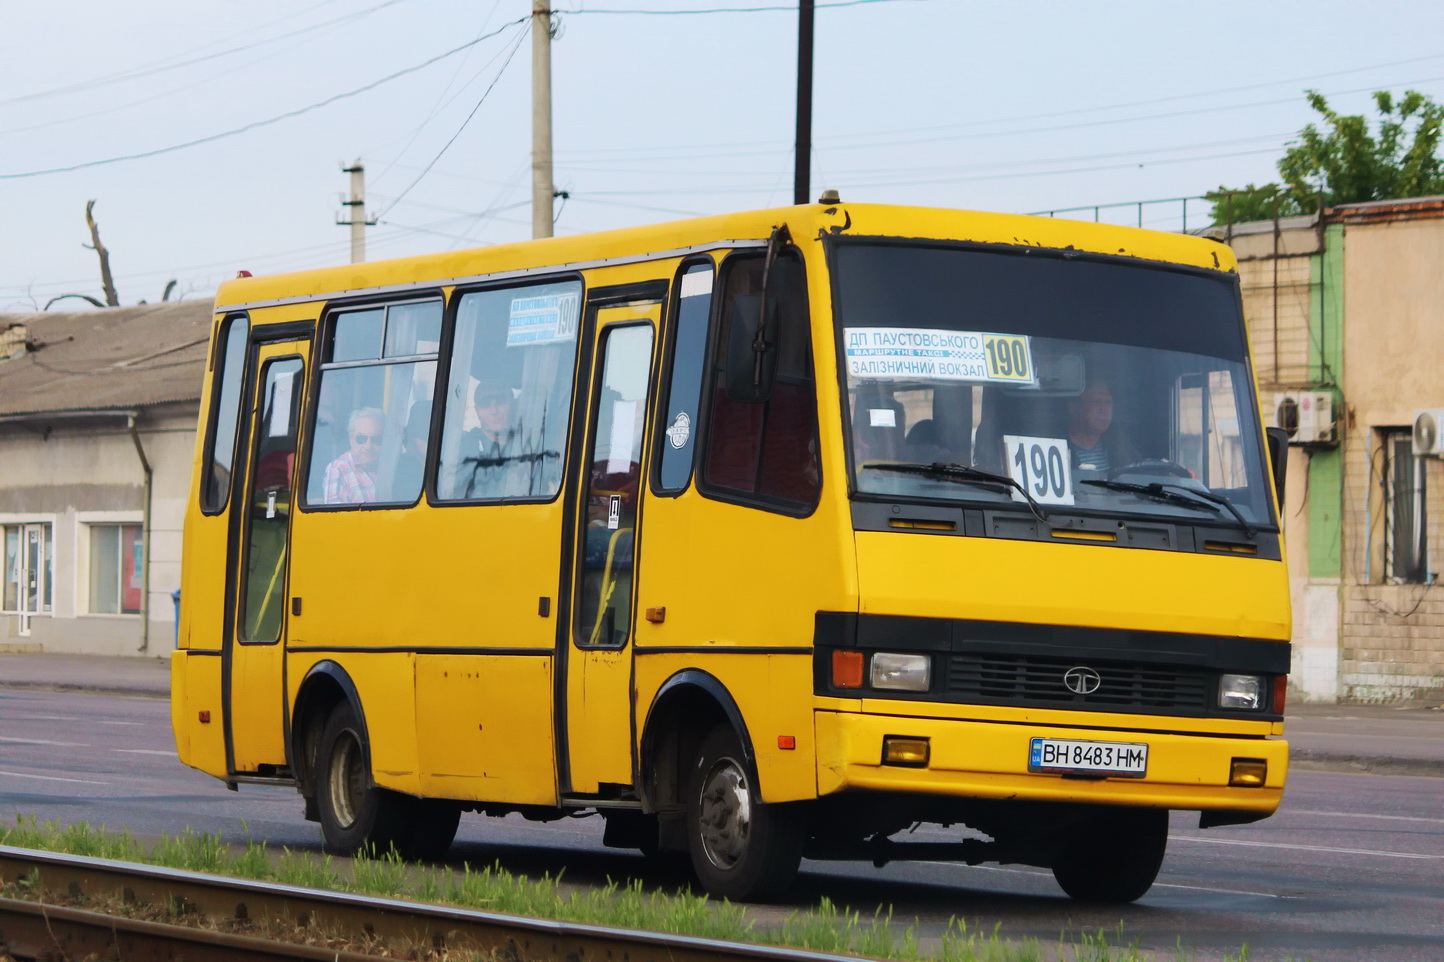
(254,650)
(597,705)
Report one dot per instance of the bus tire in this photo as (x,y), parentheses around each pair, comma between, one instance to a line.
(433,828)
(355,814)
(741,848)
(1114,857)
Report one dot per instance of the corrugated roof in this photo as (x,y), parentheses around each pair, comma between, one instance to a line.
(116,358)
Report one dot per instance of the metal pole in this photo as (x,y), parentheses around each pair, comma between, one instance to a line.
(541,119)
(801,177)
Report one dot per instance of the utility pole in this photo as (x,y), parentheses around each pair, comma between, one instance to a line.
(542,190)
(802,173)
(357,209)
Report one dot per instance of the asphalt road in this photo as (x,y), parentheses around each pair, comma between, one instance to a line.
(1351,868)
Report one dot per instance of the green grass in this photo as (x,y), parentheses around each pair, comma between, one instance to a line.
(825,928)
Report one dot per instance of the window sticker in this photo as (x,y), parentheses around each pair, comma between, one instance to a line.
(941,355)
(542,320)
(680,430)
(1042,466)
(882,417)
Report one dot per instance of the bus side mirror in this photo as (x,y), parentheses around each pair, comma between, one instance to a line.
(1278,440)
(751,353)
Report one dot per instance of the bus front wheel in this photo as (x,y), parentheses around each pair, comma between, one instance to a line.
(1113,857)
(741,848)
(354,812)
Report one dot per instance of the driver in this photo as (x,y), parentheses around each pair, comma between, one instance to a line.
(1095,447)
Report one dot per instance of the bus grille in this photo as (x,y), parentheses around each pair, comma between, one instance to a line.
(1014,679)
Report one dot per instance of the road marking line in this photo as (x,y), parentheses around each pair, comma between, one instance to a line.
(1299,848)
(1391,818)
(143,751)
(38,741)
(121,723)
(53,778)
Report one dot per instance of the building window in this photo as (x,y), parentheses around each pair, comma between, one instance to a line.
(117,569)
(1406,543)
(29,554)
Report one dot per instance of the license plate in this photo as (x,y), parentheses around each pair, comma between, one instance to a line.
(1124,759)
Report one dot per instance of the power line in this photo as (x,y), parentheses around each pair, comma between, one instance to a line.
(147,70)
(773,9)
(270,120)
(823,138)
(447,146)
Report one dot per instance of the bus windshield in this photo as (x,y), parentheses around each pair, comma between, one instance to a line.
(1100,386)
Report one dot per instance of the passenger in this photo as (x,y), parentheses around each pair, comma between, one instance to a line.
(492,438)
(492,464)
(351,478)
(411,464)
(1096,448)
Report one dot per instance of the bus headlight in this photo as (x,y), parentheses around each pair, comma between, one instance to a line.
(1240,691)
(901,672)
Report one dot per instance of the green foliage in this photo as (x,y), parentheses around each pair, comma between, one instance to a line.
(1344,163)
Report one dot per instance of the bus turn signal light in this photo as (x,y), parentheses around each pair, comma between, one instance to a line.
(901,750)
(1281,691)
(1248,772)
(847,669)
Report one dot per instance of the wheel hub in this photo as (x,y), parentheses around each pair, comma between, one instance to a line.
(725,814)
(347,783)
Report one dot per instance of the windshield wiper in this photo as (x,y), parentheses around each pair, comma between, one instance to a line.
(962,474)
(1177,494)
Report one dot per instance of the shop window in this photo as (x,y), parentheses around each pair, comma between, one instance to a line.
(29,560)
(117,569)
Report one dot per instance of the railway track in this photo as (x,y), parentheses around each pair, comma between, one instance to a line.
(40,930)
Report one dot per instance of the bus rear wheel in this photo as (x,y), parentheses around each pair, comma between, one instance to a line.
(741,848)
(355,814)
(1113,857)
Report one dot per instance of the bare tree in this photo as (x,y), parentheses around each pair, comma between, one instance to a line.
(111,299)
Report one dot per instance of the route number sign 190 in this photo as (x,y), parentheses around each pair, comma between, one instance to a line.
(1041,465)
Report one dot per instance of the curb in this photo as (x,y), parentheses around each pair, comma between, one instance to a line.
(86,689)
(1364,764)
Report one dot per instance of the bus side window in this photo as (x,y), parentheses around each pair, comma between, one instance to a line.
(226,398)
(508,393)
(766,453)
(373,407)
(693,302)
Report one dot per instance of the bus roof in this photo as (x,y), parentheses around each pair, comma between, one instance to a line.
(677,237)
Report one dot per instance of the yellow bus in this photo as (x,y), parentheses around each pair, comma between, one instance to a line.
(763,536)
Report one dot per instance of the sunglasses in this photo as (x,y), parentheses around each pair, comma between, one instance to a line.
(366,438)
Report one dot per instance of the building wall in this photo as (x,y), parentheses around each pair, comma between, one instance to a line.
(1283,282)
(75,476)
(1392,639)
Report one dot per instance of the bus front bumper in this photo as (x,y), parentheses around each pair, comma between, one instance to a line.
(980,759)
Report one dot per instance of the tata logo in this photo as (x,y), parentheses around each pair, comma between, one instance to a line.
(1081,680)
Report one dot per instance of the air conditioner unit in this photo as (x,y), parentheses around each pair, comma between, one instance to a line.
(1428,426)
(1307,416)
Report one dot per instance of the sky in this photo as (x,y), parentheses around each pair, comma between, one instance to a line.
(212,133)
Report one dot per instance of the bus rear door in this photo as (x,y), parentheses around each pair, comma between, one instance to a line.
(597,703)
(254,648)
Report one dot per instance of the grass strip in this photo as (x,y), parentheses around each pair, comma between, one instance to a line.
(824,928)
